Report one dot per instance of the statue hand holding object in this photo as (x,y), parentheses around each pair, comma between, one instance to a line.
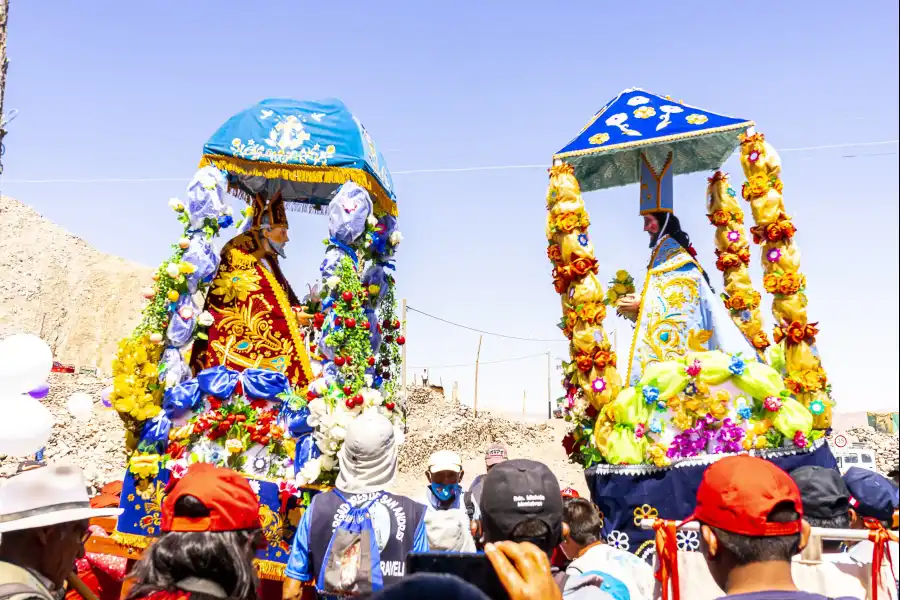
(628,306)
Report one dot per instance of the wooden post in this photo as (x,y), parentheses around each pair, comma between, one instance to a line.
(524,396)
(549,394)
(403,347)
(477,359)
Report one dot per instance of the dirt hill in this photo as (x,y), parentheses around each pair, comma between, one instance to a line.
(53,284)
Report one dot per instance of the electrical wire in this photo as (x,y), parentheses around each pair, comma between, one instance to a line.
(475,329)
(483,362)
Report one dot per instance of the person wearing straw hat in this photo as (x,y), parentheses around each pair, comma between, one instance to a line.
(44,516)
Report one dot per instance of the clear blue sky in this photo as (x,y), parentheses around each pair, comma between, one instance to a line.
(133,89)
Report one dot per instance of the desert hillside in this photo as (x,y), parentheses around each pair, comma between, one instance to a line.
(81,301)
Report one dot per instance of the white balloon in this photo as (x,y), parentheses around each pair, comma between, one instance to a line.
(81,406)
(25,425)
(25,362)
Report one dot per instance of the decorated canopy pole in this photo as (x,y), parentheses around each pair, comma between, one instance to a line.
(591,379)
(774,231)
(733,258)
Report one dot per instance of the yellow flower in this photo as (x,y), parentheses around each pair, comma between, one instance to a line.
(723,396)
(187,268)
(182,433)
(644,512)
(622,275)
(330,149)
(696,119)
(611,295)
(236,285)
(657,455)
(761,443)
(761,427)
(173,295)
(374,289)
(598,139)
(682,420)
(144,466)
(620,288)
(234,446)
(644,112)
(702,388)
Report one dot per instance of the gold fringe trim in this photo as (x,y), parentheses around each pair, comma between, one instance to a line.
(271,570)
(132,540)
(305,173)
(647,142)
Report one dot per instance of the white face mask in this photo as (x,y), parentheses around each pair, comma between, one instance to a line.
(277,247)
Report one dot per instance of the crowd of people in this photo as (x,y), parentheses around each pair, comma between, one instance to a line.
(513,533)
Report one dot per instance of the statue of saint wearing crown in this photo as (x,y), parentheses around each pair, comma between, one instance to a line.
(258,317)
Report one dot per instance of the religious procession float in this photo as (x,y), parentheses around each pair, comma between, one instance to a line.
(229,365)
(702,378)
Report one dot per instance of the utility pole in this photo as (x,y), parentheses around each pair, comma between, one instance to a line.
(4,10)
(477,360)
(549,394)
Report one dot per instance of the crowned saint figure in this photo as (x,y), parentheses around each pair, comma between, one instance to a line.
(678,311)
(258,318)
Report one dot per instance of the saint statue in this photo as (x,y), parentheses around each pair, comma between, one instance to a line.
(678,311)
(258,319)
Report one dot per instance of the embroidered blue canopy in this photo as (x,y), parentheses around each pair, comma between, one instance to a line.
(607,152)
(303,149)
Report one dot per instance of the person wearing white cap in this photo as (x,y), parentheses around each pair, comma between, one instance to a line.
(446,520)
(44,515)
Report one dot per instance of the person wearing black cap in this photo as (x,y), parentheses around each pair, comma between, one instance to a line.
(873,497)
(826,501)
(521,502)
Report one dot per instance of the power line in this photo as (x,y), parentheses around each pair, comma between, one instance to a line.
(484,362)
(424,171)
(500,335)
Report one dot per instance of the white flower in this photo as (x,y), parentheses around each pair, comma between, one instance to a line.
(638,100)
(176,204)
(368,379)
(254,485)
(228,211)
(670,108)
(396,238)
(317,407)
(328,462)
(372,397)
(207,181)
(618,539)
(697,119)
(617,119)
(337,433)
(186,312)
(310,471)
(206,319)
(333,281)
(156,338)
(173,270)
(372,221)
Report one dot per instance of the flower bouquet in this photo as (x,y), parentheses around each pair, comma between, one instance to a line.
(621,285)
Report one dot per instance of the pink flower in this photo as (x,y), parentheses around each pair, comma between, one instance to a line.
(570,402)
(693,369)
(186,312)
(734,236)
(800,440)
(753,156)
(598,385)
(287,487)
(639,430)
(178,470)
(772,403)
(773,255)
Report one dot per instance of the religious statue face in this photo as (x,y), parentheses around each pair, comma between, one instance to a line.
(651,225)
(277,238)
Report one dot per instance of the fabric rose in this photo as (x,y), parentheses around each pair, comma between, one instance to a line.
(770,282)
(736,302)
(761,340)
(796,332)
(756,186)
(774,232)
(584,363)
(719,218)
(593,312)
(604,358)
(567,222)
(790,283)
(554,252)
(581,266)
(727,261)
(744,255)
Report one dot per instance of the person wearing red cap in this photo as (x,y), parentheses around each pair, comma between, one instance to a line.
(751,523)
(210,520)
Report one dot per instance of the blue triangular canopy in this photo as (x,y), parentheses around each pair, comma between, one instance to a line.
(303,149)
(607,152)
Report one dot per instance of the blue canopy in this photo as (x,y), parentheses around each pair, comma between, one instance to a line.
(305,150)
(607,152)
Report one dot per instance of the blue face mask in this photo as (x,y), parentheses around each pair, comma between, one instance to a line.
(445,492)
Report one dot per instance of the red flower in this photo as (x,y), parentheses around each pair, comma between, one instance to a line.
(258,404)
(215,403)
(175,450)
(568,443)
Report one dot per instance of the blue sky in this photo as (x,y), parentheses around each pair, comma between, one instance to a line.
(133,89)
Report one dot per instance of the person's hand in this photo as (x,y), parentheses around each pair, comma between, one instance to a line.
(628,306)
(524,570)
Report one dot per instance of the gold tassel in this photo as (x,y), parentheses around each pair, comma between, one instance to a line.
(132,540)
(305,173)
(271,570)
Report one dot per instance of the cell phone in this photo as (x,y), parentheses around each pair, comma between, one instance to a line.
(471,568)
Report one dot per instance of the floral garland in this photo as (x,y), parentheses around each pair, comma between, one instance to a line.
(140,370)
(775,232)
(388,360)
(733,258)
(590,378)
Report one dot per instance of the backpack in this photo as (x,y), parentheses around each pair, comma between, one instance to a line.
(352,562)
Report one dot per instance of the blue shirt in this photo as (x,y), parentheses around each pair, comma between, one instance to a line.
(299,565)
